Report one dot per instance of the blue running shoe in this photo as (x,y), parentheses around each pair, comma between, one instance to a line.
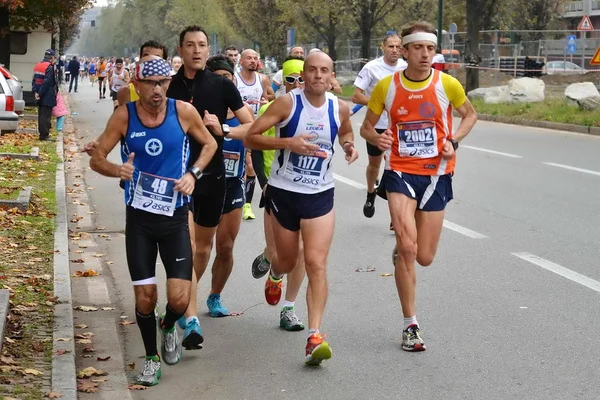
(192,337)
(182,322)
(215,307)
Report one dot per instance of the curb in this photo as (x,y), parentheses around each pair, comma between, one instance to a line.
(589,130)
(22,202)
(63,366)
(34,154)
(4,304)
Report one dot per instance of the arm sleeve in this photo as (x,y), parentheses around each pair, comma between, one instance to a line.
(377,100)
(363,80)
(232,97)
(258,163)
(356,108)
(47,81)
(454,91)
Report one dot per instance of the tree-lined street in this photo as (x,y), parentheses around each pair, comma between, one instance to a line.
(507,309)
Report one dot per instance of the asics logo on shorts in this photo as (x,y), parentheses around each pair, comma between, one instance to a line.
(237,201)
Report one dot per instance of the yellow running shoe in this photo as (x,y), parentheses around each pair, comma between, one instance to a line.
(247,212)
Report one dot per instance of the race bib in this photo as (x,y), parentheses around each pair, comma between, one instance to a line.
(305,169)
(155,194)
(232,163)
(417,139)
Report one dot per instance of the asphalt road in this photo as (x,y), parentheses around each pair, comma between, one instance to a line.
(507,310)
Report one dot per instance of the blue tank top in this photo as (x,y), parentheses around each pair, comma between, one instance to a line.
(234,153)
(92,68)
(161,156)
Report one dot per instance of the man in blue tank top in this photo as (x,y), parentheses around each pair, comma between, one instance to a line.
(299,193)
(153,133)
(231,218)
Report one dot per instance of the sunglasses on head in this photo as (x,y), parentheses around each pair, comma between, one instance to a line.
(292,79)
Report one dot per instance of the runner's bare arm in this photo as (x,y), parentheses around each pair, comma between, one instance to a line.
(238,132)
(345,134)
(335,85)
(359,97)
(193,125)
(114,131)
(469,118)
(244,115)
(123,95)
(267,89)
(277,112)
(367,130)
(126,77)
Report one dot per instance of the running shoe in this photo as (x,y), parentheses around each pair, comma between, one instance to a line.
(170,349)
(289,321)
(369,207)
(391,226)
(150,373)
(247,212)
(317,350)
(260,266)
(273,290)
(394,256)
(192,337)
(215,307)
(411,339)
(182,322)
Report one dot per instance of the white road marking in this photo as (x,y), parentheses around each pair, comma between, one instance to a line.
(349,181)
(560,270)
(491,151)
(463,231)
(585,171)
(447,224)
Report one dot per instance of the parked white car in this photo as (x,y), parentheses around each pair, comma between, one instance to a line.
(9,120)
(563,68)
(16,85)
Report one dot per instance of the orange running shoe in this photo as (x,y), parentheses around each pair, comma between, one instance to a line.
(317,350)
(273,290)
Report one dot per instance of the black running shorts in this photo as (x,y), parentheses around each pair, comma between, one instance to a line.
(208,200)
(148,234)
(374,151)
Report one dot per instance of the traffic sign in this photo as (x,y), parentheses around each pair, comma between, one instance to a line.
(596,59)
(571,44)
(585,24)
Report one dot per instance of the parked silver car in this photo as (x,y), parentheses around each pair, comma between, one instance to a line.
(9,120)
(16,85)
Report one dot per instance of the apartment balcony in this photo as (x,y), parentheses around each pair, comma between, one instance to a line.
(576,8)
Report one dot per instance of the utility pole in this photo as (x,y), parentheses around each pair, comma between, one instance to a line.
(440,22)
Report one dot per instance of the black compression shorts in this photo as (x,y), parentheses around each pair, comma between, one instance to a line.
(147,234)
(372,150)
(209,199)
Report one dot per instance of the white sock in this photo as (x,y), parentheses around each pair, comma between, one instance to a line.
(312,332)
(287,304)
(275,276)
(410,321)
(188,320)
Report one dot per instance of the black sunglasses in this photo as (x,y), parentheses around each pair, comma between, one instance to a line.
(292,79)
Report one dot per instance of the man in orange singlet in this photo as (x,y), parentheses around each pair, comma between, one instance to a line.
(420,147)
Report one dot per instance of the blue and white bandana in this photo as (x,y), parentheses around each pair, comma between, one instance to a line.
(154,67)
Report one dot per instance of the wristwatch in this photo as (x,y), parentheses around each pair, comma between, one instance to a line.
(196,172)
(226,129)
(454,143)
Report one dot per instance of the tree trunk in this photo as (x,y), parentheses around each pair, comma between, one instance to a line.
(365,46)
(4,37)
(331,37)
(472,45)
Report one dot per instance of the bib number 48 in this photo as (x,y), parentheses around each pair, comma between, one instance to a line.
(159,186)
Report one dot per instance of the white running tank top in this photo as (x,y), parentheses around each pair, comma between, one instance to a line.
(251,93)
(118,80)
(307,174)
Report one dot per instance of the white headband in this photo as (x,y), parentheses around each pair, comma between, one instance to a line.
(419,37)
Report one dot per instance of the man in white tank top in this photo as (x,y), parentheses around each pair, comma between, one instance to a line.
(299,193)
(119,77)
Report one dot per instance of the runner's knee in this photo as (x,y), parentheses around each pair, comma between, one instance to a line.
(407,245)
(145,299)
(426,259)
(225,248)
(179,300)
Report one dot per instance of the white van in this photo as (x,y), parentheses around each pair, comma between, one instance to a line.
(27,48)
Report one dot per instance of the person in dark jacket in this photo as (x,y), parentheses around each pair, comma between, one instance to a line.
(45,87)
(74,70)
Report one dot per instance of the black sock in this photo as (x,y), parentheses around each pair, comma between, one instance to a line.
(104,91)
(170,318)
(250,183)
(147,325)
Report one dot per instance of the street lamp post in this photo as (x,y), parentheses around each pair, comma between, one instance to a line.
(440,22)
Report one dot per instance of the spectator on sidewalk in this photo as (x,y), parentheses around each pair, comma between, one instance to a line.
(60,111)
(74,70)
(45,88)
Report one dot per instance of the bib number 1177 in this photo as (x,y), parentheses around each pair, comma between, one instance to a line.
(159,186)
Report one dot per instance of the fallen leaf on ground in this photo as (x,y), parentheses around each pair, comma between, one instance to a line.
(54,395)
(137,387)
(99,380)
(79,251)
(86,274)
(84,341)
(104,235)
(86,308)
(81,326)
(60,352)
(107,308)
(109,263)
(63,339)
(364,270)
(387,274)
(99,255)
(103,358)
(78,261)
(87,387)
(131,365)
(31,371)
(88,349)
(90,371)
(7,360)
(126,322)
(76,219)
